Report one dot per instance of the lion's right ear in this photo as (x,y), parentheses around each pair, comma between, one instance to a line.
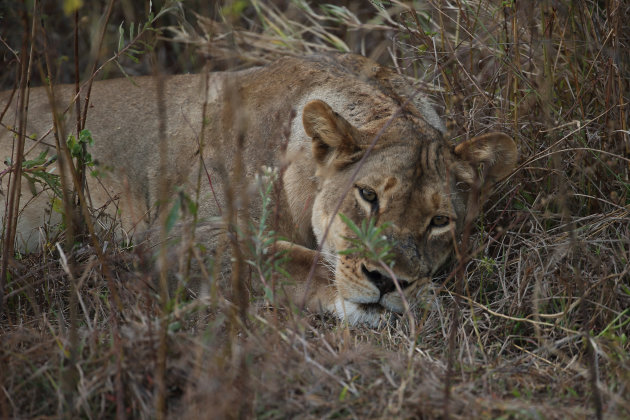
(495,151)
(333,137)
(481,162)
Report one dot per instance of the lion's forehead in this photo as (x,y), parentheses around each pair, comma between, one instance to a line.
(401,165)
(412,150)
(413,181)
(420,200)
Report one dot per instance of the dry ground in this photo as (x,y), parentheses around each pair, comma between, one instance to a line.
(534,323)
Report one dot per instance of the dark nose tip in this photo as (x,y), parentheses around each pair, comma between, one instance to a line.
(382,282)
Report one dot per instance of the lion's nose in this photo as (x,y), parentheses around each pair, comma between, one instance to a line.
(382,282)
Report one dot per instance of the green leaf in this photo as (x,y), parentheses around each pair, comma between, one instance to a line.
(39,160)
(350,251)
(343,394)
(31,184)
(350,224)
(71,141)
(172,215)
(71,6)
(192,207)
(162,11)
(268,294)
(57,205)
(125,73)
(85,136)
(132,58)
(121,37)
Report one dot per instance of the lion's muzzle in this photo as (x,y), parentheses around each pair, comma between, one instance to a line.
(383,283)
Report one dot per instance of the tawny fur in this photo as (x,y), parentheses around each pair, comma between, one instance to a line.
(332,107)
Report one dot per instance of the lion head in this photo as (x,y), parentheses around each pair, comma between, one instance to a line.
(414,180)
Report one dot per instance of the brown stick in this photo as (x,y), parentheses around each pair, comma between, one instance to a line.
(163,189)
(16,186)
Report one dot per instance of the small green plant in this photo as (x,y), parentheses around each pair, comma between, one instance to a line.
(261,238)
(39,171)
(78,148)
(136,45)
(488,264)
(182,204)
(370,241)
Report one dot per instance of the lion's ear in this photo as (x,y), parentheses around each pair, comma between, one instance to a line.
(333,136)
(496,151)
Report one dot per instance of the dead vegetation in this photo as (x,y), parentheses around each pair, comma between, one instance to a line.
(533,323)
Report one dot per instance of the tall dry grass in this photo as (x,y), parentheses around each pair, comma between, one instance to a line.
(534,324)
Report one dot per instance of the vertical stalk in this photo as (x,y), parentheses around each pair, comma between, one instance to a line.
(65,169)
(94,58)
(473,210)
(15,184)
(68,372)
(517,61)
(80,164)
(163,191)
(547,78)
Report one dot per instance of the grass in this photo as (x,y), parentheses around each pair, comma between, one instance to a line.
(536,323)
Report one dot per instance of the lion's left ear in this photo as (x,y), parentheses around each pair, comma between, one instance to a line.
(333,138)
(496,151)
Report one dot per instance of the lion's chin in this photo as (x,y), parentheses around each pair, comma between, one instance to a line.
(392,302)
(371,314)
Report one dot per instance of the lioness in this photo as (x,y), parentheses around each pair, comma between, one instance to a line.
(326,110)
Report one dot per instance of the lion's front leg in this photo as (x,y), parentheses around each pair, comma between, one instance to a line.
(318,293)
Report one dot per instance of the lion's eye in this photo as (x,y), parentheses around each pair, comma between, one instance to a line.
(440,221)
(368,195)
